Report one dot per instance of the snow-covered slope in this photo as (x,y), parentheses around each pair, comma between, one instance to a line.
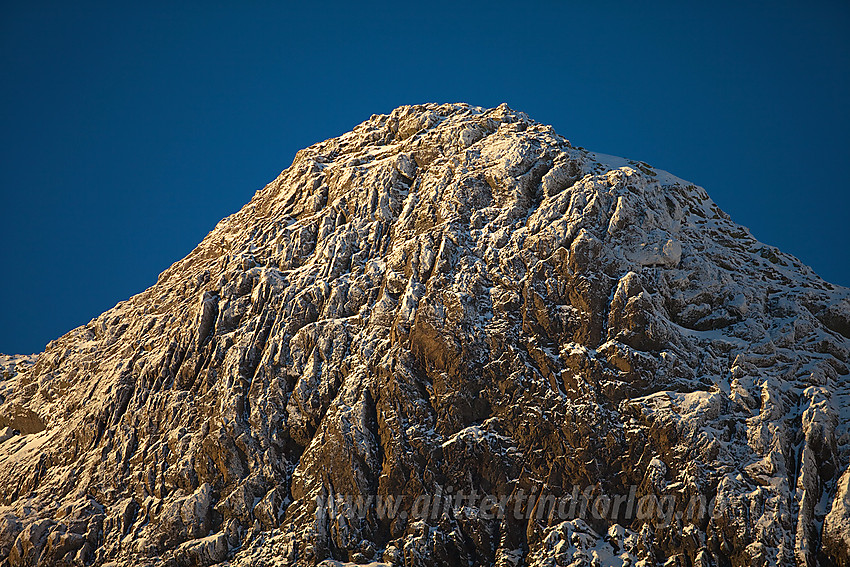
(446,300)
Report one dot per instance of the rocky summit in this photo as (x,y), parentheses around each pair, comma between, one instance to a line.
(447,337)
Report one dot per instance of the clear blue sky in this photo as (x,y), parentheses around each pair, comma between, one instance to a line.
(129,131)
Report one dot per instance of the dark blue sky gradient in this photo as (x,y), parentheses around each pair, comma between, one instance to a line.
(128,132)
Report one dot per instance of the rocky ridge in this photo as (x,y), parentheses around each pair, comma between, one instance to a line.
(445,298)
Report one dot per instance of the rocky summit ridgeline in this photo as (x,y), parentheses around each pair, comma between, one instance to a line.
(447,337)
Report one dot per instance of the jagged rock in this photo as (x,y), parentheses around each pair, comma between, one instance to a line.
(29,544)
(446,301)
(836,528)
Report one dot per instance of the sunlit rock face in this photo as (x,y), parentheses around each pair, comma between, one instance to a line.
(445,301)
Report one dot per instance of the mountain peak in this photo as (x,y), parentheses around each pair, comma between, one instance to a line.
(446,301)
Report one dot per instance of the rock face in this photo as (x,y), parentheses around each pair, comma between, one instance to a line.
(445,301)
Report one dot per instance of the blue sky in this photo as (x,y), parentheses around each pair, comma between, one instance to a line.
(129,131)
